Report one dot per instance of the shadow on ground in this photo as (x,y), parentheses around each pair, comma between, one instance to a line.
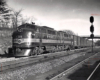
(82,73)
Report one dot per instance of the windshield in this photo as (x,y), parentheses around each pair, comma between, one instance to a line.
(23,34)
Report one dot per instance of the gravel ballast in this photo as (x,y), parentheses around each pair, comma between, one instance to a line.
(42,67)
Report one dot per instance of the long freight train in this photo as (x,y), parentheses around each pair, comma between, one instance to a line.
(31,39)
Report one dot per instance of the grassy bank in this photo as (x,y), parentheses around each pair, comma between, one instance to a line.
(5,39)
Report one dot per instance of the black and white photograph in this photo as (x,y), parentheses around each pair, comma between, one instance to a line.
(49,40)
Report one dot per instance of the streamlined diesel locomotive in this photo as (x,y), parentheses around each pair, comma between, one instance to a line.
(31,39)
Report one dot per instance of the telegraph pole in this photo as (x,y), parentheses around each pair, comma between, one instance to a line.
(92,30)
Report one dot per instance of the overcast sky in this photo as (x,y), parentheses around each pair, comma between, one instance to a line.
(62,14)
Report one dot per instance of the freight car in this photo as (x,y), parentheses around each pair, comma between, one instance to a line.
(31,39)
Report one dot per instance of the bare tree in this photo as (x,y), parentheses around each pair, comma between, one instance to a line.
(32,19)
(28,19)
(69,32)
(15,16)
(24,20)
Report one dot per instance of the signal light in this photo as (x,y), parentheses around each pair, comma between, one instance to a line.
(92,36)
(92,28)
(91,19)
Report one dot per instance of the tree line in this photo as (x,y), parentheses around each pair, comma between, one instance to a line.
(10,18)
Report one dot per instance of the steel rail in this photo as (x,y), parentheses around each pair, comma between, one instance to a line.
(90,76)
(71,69)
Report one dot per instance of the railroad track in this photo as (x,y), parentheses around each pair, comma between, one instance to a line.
(23,70)
(71,70)
(95,75)
(62,53)
(11,63)
(4,56)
